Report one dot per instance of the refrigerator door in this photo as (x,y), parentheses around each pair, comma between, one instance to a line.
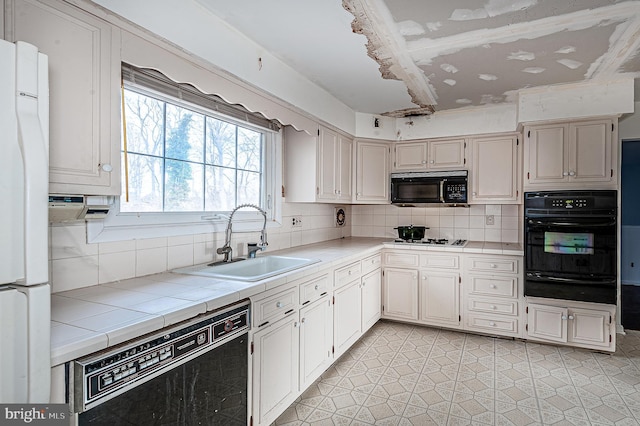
(13,362)
(25,317)
(24,170)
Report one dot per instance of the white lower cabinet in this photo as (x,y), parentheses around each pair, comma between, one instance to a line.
(275,369)
(347,316)
(316,340)
(371,291)
(586,325)
(440,298)
(493,294)
(400,294)
(422,288)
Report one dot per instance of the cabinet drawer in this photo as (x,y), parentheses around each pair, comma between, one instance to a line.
(404,258)
(496,325)
(446,261)
(502,307)
(314,289)
(275,307)
(371,263)
(494,265)
(493,286)
(347,274)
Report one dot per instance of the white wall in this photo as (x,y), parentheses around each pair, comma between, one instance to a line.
(629,127)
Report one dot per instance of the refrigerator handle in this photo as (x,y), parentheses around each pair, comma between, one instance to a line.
(33,135)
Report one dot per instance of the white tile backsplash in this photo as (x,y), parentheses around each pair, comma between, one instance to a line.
(75,264)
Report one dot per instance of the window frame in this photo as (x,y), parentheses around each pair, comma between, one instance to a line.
(118,226)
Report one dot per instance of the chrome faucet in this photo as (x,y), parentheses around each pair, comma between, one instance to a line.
(226,248)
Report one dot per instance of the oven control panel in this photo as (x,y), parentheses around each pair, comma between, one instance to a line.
(111,372)
(569,203)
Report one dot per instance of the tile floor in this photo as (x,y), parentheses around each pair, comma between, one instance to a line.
(400,374)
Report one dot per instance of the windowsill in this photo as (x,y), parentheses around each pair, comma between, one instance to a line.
(99,232)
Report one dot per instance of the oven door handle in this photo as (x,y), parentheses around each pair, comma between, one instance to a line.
(571,224)
(541,277)
(442,191)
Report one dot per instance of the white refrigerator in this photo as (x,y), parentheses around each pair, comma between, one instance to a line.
(25,310)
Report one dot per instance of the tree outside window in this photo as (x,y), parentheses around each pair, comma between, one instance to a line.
(181,159)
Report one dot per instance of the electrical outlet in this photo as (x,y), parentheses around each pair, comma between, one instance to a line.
(296,222)
(490,220)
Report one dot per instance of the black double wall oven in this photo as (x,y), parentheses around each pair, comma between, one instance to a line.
(571,245)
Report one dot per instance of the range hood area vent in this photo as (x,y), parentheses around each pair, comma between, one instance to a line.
(69,208)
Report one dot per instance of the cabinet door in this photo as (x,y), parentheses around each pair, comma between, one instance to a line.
(316,339)
(400,293)
(495,167)
(347,316)
(328,166)
(548,151)
(447,154)
(275,369)
(590,151)
(411,156)
(547,322)
(371,299)
(589,328)
(346,169)
(84,81)
(440,298)
(372,172)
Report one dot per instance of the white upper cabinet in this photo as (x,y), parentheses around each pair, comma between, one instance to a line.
(372,172)
(84,80)
(572,154)
(318,167)
(494,170)
(437,154)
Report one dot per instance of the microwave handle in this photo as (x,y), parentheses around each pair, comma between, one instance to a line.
(442,191)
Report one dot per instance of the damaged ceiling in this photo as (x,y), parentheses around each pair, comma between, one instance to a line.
(410,57)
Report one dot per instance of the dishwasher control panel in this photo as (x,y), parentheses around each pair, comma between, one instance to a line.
(111,372)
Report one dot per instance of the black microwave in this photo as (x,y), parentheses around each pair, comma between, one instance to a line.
(414,188)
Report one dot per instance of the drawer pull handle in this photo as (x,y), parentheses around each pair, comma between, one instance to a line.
(279,305)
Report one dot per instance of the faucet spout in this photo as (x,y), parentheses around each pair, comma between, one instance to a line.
(226,248)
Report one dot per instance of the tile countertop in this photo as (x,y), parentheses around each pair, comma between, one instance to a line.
(90,319)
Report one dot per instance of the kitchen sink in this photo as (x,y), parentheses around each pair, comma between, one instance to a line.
(255,269)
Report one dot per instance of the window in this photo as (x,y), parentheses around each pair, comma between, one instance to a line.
(190,156)
(184,159)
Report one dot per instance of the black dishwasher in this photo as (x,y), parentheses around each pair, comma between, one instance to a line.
(192,374)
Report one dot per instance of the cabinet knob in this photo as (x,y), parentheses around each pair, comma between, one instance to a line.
(492,324)
(572,173)
(570,317)
(493,265)
(431,162)
(474,193)
(302,321)
(424,162)
(296,324)
(564,317)
(565,173)
(493,307)
(106,167)
(359,194)
(316,287)
(492,286)
(279,304)
(349,272)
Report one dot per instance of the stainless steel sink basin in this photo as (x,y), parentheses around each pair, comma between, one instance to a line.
(255,269)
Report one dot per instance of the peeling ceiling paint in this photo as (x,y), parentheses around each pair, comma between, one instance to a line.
(441,55)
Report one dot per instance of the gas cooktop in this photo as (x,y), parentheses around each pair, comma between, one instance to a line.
(434,242)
